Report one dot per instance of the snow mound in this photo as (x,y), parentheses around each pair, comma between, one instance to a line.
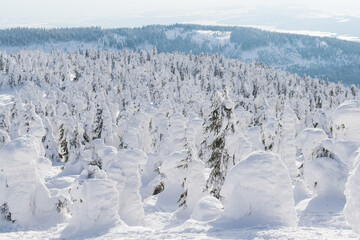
(346,150)
(125,171)
(229,104)
(352,207)
(207,209)
(308,139)
(194,185)
(96,203)
(23,192)
(258,191)
(347,121)
(168,199)
(300,191)
(326,176)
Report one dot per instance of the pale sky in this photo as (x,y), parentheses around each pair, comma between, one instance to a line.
(341,17)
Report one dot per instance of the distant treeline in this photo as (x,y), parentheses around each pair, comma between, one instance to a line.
(322,57)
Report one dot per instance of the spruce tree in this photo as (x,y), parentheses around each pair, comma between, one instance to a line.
(50,146)
(185,165)
(219,126)
(63,144)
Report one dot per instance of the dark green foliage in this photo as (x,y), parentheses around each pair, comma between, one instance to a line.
(182,199)
(219,126)
(323,152)
(28,117)
(185,165)
(249,38)
(62,205)
(3,122)
(96,162)
(243,38)
(218,161)
(63,151)
(5,213)
(159,188)
(98,124)
(189,155)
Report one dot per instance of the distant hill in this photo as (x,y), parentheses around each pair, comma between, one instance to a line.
(319,57)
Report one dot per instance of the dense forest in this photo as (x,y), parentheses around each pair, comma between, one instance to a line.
(318,57)
(90,135)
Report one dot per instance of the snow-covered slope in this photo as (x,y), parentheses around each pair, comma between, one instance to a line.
(108,144)
(321,57)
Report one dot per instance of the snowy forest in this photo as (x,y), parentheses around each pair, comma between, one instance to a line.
(318,57)
(95,139)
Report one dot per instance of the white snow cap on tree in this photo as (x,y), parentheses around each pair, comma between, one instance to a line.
(308,139)
(347,121)
(125,171)
(22,190)
(352,207)
(347,152)
(287,149)
(96,203)
(207,209)
(168,199)
(258,191)
(326,176)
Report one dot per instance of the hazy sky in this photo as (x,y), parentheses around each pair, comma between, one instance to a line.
(342,17)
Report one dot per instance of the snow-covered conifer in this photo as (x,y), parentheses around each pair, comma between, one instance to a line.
(49,143)
(218,125)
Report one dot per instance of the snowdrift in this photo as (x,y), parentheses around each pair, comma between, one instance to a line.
(24,197)
(347,121)
(96,204)
(258,191)
(352,207)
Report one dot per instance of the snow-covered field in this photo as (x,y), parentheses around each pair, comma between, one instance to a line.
(110,145)
(163,225)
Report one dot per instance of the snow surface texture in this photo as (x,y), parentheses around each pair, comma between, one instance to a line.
(22,189)
(258,191)
(97,205)
(347,120)
(352,207)
(308,139)
(191,147)
(207,209)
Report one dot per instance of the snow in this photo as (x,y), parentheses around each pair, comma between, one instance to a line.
(300,191)
(347,121)
(213,38)
(288,143)
(6,99)
(96,208)
(168,199)
(346,150)
(105,190)
(258,191)
(308,139)
(207,209)
(195,181)
(172,34)
(352,207)
(326,177)
(22,188)
(125,171)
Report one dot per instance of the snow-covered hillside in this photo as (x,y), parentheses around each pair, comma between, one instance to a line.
(125,145)
(320,57)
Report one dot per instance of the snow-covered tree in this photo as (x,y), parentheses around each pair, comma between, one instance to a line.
(218,125)
(49,143)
